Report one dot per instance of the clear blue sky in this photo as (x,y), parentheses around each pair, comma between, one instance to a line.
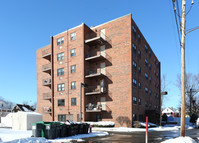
(26,26)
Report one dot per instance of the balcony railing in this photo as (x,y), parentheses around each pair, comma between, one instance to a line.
(95,108)
(46,54)
(46,82)
(47,96)
(93,39)
(95,57)
(92,90)
(95,73)
(46,68)
(47,110)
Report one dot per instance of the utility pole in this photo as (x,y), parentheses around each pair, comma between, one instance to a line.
(182,130)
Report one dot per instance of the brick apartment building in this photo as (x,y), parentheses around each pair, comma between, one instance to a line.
(116,63)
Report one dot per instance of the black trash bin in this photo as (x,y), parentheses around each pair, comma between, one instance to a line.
(80,128)
(57,129)
(50,131)
(38,130)
(63,130)
(85,128)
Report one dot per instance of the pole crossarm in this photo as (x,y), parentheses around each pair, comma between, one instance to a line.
(190,30)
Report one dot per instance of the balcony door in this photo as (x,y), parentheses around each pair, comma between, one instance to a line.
(102,50)
(103,102)
(102,85)
(102,33)
(102,68)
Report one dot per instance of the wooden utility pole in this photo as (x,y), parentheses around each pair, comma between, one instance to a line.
(182,130)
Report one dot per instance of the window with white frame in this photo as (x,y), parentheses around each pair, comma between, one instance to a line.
(60,87)
(146,62)
(60,72)
(73,52)
(146,90)
(73,85)
(73,68)
(134,47)
(60,41)
(73,36)
(60,56)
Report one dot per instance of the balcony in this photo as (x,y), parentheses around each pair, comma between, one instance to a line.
(95,108)
(47,96)
(95,90)
(97,57)
(47,110)
(95,73)
(93,39)
(46,68)
(46,82)
(46,54)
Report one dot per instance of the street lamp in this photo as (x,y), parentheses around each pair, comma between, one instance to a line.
(162,93)
(85,86)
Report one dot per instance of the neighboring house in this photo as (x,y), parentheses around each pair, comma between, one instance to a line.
(23,107)
(171,112)
(115,61)
(5,108)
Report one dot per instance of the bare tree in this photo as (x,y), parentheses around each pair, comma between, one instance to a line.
(191,93)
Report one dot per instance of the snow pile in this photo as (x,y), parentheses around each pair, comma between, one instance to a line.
(180,140)
(80,137)
(12,136)
(7,120)
(197,123)
(102,124)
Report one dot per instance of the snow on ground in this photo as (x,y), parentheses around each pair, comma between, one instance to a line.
(180,140)
(102,123)
(129,130)
(12,136)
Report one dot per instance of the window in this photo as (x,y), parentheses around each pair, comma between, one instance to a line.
(134,83)
(73,36)
(134,29)
(60,71)
(146,104)
(146,90)
(150,79)
(146,48)
(139,53)
(73,68)
(73,85)
(60,41)
(139,101)
(60,87)
(139,69)
(134,100)
(146,62)
(149,53)
(60,56)
(149,66)
(149,92)
(73,101)
(134,65)
(73,52)
(139,84)
(61,102)
(134,47)
(62,118)
(146,75)
(139,37)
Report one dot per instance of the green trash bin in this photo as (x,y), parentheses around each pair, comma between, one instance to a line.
(80,128)
(38,130)
(63,130)
(57,129)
